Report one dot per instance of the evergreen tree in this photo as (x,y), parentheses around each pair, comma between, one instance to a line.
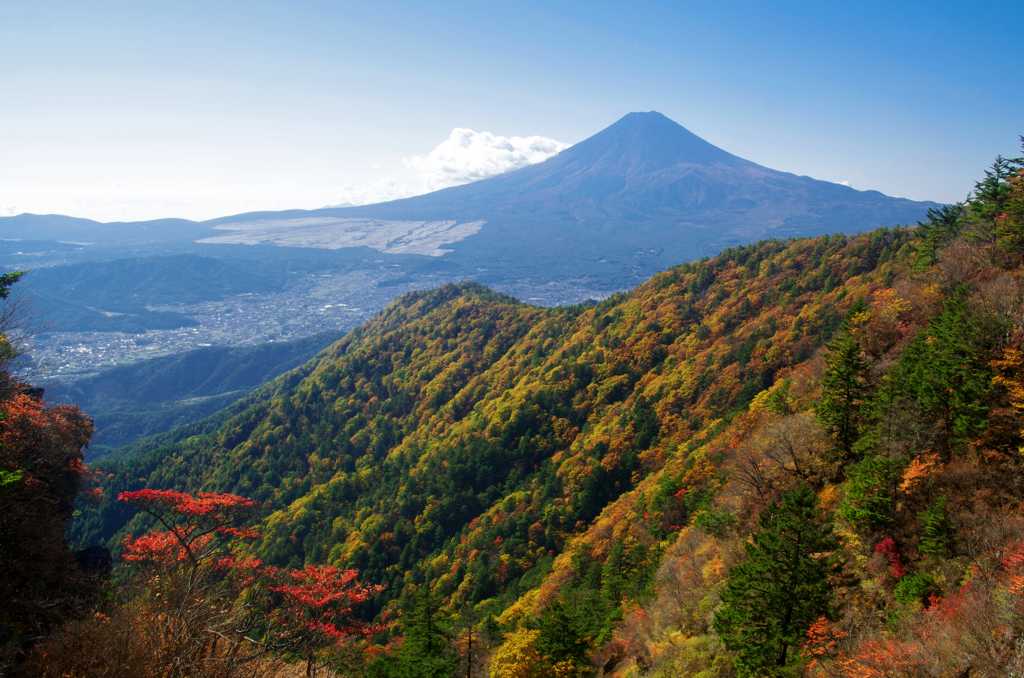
(784,586)
(842,386)
(616,571)
(871,490)
(990,211)
(1010,229)
(939,532)
(944,223)
(562,640)
(426,651)
(948,375)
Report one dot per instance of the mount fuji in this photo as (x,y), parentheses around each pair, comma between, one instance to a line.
(637,197)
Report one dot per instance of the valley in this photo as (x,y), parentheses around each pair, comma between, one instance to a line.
(309,303)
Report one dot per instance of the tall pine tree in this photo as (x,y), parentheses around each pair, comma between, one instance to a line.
(944,223)
(426,651)
(784,586)
(842,385)
(562,640)
(951,378)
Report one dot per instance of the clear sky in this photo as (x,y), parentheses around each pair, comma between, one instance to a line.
(138,110)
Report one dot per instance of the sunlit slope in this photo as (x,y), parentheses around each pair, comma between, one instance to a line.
(464,438)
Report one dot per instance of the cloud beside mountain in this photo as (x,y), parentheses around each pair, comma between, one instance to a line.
(463,157)
(470,156)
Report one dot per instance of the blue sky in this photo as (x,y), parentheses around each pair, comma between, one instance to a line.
(118,110)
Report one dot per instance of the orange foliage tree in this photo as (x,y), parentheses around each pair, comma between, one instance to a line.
(40,470)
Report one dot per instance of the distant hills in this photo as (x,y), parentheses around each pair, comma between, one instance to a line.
(114,296)
(640,196)
(129,402)
(129,285)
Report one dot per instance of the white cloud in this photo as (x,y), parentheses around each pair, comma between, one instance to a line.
(844,183)
(470,156)
(463,157)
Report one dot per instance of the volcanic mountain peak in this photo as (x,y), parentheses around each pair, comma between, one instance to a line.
(637,197)
(644,142)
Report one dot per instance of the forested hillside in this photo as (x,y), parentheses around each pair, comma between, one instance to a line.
(798,457)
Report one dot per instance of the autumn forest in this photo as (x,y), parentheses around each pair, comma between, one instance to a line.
(800,457)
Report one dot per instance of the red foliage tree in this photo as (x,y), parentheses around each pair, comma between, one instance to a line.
(289,612)
(41,460)
(196,527)
(310,609)
(888,548)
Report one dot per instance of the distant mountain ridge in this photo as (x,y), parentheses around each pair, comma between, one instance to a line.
(637,197)
(647,166)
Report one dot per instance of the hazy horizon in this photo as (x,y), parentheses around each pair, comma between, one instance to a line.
(117,113)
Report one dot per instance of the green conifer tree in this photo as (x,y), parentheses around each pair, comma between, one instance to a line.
(562,630)
(944,223)
(990,211)
(938,531)
(871,490)
(785,585)
(948,375)
(426,651)
(842,386)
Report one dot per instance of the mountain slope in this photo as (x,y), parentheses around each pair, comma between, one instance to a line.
(453,403)
(635,198)
(597,473)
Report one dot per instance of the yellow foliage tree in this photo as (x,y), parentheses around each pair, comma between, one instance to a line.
(1010,375)
(517,658)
